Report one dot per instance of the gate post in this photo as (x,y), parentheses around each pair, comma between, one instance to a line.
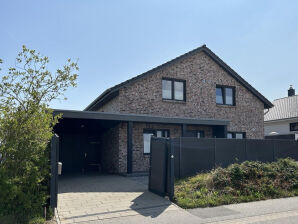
(170,173)
(54,170)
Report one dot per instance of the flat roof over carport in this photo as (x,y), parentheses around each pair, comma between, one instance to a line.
(138,118)
(220,126)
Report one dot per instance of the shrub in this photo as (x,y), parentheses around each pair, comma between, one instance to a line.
(244,182)
(26,124)
(37,220)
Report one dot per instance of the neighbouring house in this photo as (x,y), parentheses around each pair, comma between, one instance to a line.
(281,121)
(193,95)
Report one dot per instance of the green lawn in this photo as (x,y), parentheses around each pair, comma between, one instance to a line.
(249,181)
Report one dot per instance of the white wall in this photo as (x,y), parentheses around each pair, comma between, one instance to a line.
(281,127)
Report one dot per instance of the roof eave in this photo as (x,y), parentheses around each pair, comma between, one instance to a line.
(281,119)
(138,118)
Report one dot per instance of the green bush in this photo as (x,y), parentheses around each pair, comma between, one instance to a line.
(25,171)
(244,182)
(26,128)
(37,220)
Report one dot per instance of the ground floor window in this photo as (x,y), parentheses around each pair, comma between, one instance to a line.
(147,138)
(237,135)
(294,126)
(195,133)
(148,133)
(200,134)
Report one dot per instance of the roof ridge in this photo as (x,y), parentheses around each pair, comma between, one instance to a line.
(142,74)
(286,97)
(115,89)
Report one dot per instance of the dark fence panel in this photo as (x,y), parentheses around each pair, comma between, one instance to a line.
(259,150)
(228,151)
(193,155)
(284,149)
(196,155)
(186,156)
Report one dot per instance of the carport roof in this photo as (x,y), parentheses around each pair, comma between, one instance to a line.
(137,118)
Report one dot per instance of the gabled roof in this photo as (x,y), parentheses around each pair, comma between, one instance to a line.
(114,91)
(284,108)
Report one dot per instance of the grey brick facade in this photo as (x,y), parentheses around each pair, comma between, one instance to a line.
(202,74)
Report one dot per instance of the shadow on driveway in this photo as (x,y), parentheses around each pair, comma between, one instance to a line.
(97,197)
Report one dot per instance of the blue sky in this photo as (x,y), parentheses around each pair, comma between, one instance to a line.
(116,40)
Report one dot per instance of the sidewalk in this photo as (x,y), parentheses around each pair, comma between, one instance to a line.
(281,211)
(276,211)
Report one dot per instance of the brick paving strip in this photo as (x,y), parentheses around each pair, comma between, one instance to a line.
(112,214)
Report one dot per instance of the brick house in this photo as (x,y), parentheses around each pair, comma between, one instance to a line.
(195,95)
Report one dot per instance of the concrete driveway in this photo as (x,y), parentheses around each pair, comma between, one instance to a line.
(98,199)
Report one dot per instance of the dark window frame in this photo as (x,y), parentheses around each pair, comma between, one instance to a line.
(173,89)
(223,90)
(154,132)
(293,125)
(236,132)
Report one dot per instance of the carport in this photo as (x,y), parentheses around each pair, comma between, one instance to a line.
(82,137)
(80,143)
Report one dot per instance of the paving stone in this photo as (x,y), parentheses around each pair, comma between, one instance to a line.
(106,197)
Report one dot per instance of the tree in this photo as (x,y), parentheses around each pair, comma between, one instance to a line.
(26,128)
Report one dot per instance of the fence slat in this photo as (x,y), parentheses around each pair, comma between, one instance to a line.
(229,151)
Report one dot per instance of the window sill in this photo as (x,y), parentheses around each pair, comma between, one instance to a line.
(146,154)
(174,101)
(226,106)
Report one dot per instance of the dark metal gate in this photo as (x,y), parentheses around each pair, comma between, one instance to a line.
(54,171)
(161,174)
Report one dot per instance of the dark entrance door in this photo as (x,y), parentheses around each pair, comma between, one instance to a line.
(91,154)
(80,152)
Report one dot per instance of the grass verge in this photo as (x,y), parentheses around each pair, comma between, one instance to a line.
(248,181)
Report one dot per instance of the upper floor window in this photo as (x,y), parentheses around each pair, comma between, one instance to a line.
(173,89)
(294,126)
(225,95)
